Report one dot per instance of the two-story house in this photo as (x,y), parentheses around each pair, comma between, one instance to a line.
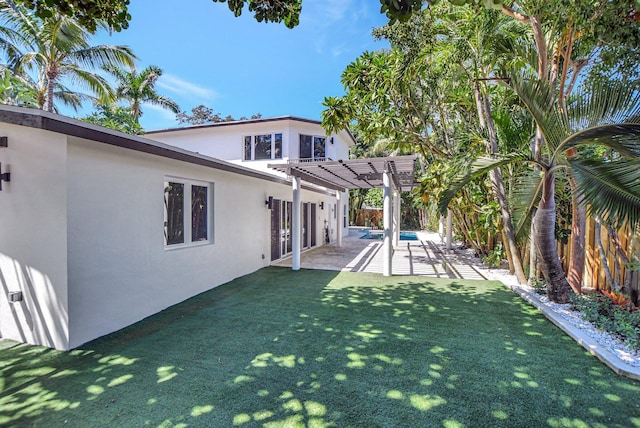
(258,143)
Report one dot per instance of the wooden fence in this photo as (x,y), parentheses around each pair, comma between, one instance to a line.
(595,273)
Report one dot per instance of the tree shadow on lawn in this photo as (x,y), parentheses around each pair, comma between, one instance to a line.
(318,348)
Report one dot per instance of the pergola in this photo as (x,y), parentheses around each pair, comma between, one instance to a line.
(393,173)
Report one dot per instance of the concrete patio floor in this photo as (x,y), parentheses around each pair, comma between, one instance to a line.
(425,257)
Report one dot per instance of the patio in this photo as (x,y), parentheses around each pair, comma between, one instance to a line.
(425,257)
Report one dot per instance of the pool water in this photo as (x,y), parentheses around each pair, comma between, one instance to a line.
(378,234)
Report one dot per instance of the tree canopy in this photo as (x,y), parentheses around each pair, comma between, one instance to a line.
(89,13)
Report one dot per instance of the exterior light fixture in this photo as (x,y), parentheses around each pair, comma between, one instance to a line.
(321,205)
(4,176)
(269,202)
(331,140)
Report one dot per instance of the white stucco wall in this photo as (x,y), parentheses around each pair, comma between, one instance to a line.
(33,237)
(119,269)
(226,141)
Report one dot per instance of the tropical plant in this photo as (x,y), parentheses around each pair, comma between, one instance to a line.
(54,49)
(89,13)
(16,90)
(202,114)
(114,117)
(137,88)
(606,115)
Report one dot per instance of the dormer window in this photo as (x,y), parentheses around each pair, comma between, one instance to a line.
(262,147)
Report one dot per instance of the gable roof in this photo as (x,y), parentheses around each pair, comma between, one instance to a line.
(40,119)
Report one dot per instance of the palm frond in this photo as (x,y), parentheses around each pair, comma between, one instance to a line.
(540,99)
(612,188)
(526,194)
(479,167)
(604,103)
(623,138)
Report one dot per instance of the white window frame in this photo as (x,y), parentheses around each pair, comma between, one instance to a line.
(313,146)
(253,146)
(186,210)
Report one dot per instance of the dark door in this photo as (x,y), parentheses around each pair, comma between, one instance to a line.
(275,230)
(287,218)
(305,225)
(312,228)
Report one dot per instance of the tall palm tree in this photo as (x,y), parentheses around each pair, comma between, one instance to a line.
(55,49)
(138,88)
(608,116)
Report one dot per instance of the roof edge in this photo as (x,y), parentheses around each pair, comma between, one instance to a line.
(46,121)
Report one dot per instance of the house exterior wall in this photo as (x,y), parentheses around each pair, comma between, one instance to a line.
(119,268)
(226,141)
(33,237)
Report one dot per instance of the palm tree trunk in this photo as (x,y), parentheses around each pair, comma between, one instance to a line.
(558,288)
(52,74)
(497,183)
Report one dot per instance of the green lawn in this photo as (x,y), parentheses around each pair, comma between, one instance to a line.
(318,348)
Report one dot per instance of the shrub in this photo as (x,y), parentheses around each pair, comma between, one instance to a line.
(495,256)
(603,312)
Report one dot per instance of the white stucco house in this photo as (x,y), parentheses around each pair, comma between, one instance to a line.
(259,143)
(101,229)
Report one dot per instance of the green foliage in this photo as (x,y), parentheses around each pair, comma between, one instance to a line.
(16,91)
(373,198)
(202,114)
(604,313)
(140,87)
(50,51)
(89,13)
(495,256)
(286,11)
(114,117)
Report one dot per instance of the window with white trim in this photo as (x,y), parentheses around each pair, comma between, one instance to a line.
(187,212)
(262,147)
(312,147)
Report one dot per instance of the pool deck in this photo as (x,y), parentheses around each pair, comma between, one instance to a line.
(425,257)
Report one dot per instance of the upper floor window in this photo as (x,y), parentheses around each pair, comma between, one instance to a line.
(312,147)
(187,212)
(263,146)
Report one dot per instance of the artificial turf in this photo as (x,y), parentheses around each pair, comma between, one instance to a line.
(318,348)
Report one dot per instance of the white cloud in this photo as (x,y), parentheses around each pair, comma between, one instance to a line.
(187,89)
(156,117)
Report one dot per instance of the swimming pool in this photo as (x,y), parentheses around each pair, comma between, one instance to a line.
(378,234)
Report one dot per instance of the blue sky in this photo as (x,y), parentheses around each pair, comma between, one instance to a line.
(239,66)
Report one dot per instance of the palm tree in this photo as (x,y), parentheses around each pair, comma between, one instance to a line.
(138,88)
(57,48)
(608,116)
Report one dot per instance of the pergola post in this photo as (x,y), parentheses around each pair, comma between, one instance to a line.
(387,250)
(449,230)
(339,217)
(396,218)
(295,224)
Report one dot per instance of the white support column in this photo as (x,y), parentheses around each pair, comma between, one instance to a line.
(449,230)
(387,250)
(396,218)
(441,229)
(339,218)
(296,224)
